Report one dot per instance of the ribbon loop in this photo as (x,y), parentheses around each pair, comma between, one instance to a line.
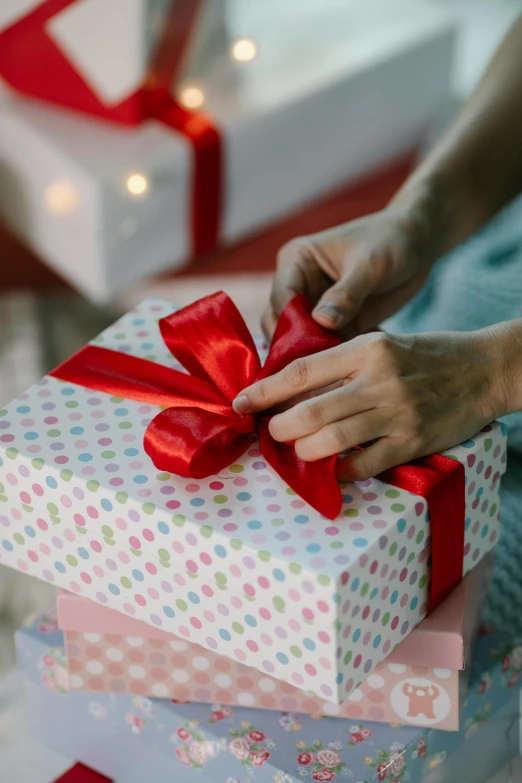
(138,379)
(209,335)
(190,441)
(296,336)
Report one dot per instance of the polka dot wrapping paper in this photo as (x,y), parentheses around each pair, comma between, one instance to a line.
(421,683)
(235,562)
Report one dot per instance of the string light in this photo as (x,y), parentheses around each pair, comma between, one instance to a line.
(137,184)
(61,197)
(244,50)
(191,96)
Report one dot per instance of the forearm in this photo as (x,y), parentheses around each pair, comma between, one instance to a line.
(476,168)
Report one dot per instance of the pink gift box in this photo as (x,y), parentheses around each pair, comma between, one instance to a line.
(420,683)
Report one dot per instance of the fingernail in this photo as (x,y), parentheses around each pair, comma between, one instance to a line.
(241,404)
(329,312)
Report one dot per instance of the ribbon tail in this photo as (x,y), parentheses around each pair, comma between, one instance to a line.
(314,482)
(132,378)
(441,481)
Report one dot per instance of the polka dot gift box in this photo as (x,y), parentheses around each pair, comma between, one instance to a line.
(421,683)
(236,562)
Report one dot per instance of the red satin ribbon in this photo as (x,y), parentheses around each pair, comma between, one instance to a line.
(441,481)
(45,72)
(199,434)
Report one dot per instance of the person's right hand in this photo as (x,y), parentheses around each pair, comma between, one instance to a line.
(356,274)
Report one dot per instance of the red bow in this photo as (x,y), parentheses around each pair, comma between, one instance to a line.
(199,433)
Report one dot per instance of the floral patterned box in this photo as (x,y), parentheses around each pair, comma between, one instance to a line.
(235,562)
(132,739)
(421,683)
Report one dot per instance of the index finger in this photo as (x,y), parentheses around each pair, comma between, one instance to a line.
(298,377)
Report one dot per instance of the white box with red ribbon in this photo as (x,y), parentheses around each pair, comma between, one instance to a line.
(98,56)
(331,93)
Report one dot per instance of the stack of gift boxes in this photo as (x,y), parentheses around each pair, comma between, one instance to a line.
(164,128)
(223,629)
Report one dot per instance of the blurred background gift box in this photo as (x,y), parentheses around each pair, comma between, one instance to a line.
(121,185)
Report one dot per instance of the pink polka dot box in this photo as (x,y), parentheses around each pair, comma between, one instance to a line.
(237,562)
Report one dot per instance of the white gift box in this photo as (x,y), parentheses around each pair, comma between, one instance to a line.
(330,96)
(111,44)
(235,562)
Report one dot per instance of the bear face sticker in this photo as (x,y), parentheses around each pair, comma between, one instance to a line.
(420,702)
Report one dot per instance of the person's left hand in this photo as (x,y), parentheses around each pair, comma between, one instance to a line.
(406,396)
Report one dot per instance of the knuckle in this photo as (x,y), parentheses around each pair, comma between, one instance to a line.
(382,342)
(382,347)
(291,251)
(297,374)
(314,415)
(343,297)
(381,264)
(262,392)
(335,437)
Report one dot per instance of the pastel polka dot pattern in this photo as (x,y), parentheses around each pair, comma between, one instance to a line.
(236,562)
(194,674)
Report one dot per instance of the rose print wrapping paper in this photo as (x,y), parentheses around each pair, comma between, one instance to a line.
(235,562)
(132,738)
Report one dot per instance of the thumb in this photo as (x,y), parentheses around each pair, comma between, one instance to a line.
(342,301)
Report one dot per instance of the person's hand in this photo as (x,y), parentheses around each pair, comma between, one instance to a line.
(405,396)
(357,274)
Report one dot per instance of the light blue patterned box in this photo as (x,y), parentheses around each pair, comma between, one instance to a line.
(134,739)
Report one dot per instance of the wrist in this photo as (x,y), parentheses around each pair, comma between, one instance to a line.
(501,347)
(422,207)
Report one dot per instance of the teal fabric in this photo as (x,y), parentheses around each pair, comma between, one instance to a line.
(477,285)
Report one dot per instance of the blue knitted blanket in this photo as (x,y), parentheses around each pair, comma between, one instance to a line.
(477,285)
